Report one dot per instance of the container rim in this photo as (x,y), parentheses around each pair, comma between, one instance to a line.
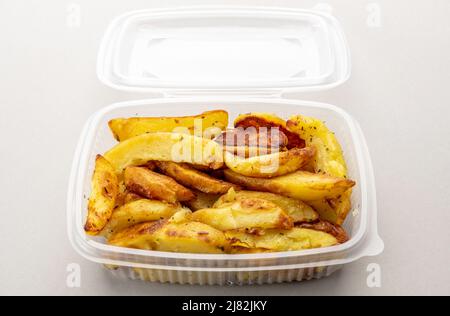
(89,248)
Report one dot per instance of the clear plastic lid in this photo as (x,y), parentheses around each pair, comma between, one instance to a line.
(224,49)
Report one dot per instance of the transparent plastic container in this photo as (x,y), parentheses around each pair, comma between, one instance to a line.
(192,56)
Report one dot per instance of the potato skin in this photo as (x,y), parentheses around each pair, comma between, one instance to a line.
(270,166)
(301,185)
(152,185)
(194,179)
(335,230)
(105,189)
(124,129)
(137,212)
(246,213)
(276,240)
(299,211)
(185,237)
(163,146)
(269,120)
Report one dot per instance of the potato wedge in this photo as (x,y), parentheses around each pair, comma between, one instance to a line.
(270,166)
(269,120)
(187,237)
(246,213)
(137,212)
(124,129)
(253,137)
(165,147)
(194,179)
(156,186)
(329,160)
(202,201)
(105,189)
(337,231)
(299,211)
(282,240)
(334,210)
(301,185)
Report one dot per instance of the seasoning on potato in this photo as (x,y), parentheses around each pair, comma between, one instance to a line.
(194,185)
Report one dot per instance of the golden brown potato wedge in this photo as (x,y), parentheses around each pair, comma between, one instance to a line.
(124,129)
(337,231)
(268,120)
(328,160)
(105,189)
(194,179)
(156,186)
(246,213)
(165,147)
(299,211)
(164,235)
(137,212)
(282,240)
(270,166)
(301,185)
(202,201)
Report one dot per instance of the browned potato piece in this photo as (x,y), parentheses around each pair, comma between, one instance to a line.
(124,129)
(282,240)
(270,166)
(201,201)
(105,189)
(152,185)
(245,213)
(299,211)
(185,237)
(337,231)
(301,185)
(195,179)
(252,137)
(268,120)
(139,211)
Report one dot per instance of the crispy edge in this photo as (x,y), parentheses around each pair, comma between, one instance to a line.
(152,185)
(195,179)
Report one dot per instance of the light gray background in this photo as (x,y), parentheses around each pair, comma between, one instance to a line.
(399,91)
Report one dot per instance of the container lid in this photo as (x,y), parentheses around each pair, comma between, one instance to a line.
(224,48)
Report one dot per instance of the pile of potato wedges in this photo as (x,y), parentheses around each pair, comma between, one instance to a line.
(193,185)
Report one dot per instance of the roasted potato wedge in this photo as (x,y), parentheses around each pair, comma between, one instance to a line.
(337,231)
(301,185)
(329,160)
(105,189)
(124,129)
(268,120)
(164,235)
(253,137)
(299,211)
(152,185)
(194,179)
(202,201)
(165,147)
(270,166)
(137,212)
(282,240)
(246,213)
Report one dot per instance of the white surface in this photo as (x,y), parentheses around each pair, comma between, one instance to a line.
(398,92)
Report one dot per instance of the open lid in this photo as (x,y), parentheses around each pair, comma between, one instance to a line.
(224,48)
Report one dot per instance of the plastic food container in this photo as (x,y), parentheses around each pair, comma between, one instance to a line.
(240,60)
